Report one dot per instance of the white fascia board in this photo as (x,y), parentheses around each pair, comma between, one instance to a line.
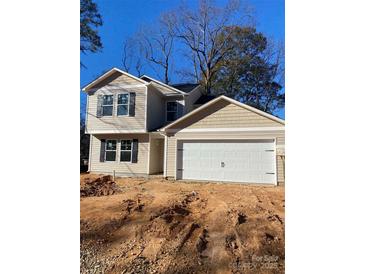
(188,114)
(108,73)
(212,137)
(262,113)
(116,87)
(154,81)
(222,97)
(245,129)
(115,131)
(173,95)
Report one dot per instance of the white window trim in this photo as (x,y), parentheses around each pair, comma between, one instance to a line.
(120,151)
(116,149)
(171,101)
(129,98)
(102,105)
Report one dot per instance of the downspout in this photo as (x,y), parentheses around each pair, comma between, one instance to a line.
(91,136)
(90,152)
(165,158)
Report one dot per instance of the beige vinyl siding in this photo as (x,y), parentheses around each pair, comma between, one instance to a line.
(224,114)
(116,123)
(280,166)
(155,109)
(116,79)
(171,157)
(191,99)
(227,115)
(121,168)
(164,90)
(156,156)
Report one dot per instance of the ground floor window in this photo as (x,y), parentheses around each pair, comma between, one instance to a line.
(126,150)
(110,150)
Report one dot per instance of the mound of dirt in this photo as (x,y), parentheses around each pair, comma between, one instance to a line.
(100,186)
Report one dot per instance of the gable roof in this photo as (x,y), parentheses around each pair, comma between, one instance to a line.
(151,80)
(222,97)
(185,87)
(107,74)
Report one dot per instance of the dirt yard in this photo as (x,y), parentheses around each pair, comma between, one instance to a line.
(158,226)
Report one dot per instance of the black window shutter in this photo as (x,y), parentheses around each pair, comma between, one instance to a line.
(135,151)
(132,103)
(99,110)
(102,150)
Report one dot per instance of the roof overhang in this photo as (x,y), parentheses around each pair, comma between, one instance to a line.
(163,84)
(222,97)
(89,86)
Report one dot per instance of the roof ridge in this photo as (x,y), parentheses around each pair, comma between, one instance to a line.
(185,83)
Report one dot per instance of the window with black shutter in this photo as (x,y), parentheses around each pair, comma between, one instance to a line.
(110,150)
(135,151)
(107,105)
(123,104)
(126,150)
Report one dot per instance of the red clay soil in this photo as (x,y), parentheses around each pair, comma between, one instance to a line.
(159,226)
(97,186)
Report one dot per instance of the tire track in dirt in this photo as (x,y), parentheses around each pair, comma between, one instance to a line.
(185,233)
(184,228)
(270,207)
(242,240)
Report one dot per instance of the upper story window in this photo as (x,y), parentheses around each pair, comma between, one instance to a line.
(107,105)
(110,150)
(123,104)
(171,111)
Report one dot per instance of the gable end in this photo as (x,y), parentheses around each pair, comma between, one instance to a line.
(223,114)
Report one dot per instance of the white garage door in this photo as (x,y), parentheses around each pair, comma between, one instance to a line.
(249,161)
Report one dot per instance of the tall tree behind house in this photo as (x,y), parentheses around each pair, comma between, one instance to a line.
(199,30)
(90,41)
(253,69)
(90,20)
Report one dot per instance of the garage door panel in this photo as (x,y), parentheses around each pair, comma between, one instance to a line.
(251,161)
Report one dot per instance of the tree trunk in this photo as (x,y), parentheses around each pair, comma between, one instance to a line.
(166,75)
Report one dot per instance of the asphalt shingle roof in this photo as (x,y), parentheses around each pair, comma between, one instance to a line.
(186,87)
(204,99)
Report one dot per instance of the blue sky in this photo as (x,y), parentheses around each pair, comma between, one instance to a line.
(122,18)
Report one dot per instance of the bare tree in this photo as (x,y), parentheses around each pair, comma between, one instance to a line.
(157,47)
(200,31)
(190,73)
(275,53)
(132,56)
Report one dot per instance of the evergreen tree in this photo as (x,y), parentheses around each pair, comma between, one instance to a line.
(252,69)
(90,20)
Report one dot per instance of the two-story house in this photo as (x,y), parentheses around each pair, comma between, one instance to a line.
(140,126)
